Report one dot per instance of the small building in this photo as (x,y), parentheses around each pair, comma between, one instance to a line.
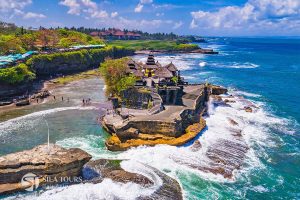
(153,73)
(116,34)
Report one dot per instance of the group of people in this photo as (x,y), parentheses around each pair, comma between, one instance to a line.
(86,102)
(62,98)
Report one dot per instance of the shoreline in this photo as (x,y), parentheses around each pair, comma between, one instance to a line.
(49,85)
(197,51)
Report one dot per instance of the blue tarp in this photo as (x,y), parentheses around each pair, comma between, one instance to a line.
(4,60)
(88,46)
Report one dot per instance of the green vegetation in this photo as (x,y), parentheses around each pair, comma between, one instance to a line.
(50,64)
(154,45)
(175,79)
(83,75)
(17,74)
(47,64)
(116,77)
(22,40)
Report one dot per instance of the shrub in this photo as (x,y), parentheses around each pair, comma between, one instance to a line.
(17,74)
(116,77)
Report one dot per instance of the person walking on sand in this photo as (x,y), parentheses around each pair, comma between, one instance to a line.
(62,98)
(83,102)
(37,100)
(54,97)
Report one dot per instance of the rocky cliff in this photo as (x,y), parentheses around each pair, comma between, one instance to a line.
(54,162)
(48,65)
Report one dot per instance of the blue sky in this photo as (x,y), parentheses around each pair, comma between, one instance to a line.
(202,17)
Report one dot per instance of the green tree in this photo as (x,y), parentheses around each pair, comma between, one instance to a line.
(17,74)
(10,43)
(116,76)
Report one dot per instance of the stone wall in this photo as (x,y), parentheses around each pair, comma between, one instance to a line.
(171,95)
(188,116)
(172,129)
(136,99)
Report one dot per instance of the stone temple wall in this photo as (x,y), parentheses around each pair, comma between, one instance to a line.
(136,99)
(176,128)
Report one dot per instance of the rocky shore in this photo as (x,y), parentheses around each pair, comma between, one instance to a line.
(166,188)
(199,51)
(115,144)
(55,165)
(175,125)
(53,162)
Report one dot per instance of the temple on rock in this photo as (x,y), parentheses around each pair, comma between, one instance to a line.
(153,73)
(159,109)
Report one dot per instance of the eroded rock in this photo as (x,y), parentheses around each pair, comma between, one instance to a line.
(232,122)
(248,109)
(196,146)
(217,90)
(96,171)
(55,162)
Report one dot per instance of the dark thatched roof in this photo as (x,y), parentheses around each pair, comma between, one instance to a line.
(171,67)
(163,72)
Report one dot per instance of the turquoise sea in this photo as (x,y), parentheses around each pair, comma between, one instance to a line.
(265,71)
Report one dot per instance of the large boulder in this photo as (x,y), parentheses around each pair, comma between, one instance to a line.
(45,162)
(217,90)
(163,186)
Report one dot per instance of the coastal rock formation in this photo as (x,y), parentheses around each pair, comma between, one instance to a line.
(196,146)
(173,126)
(97,170)
(54,162)
(41,95)
(217,90)
(248,109)
(222,157)
(115,144)
(205,51)
(168,188)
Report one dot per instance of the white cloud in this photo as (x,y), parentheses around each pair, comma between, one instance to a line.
(114,14)
(139,8)
(141,4)
(177,25)
(76,7)
(146,25)
(16,7)
(31,15)
(99,14)
(165,6)
(159,14)
(9,5)
(89,4)
(253,15)
(146,1)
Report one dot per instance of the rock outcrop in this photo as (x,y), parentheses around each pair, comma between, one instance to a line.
(96,171)
(115,144)
(217,90)
(54,162)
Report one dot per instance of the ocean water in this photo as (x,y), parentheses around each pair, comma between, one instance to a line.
(263,71)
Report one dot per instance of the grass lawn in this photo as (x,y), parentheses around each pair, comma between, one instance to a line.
(154,45)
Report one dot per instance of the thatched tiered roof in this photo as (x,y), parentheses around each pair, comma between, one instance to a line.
(163,72)
(157,70)
(171,67)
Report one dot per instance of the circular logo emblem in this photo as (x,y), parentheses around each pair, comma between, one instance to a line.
(30,181)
